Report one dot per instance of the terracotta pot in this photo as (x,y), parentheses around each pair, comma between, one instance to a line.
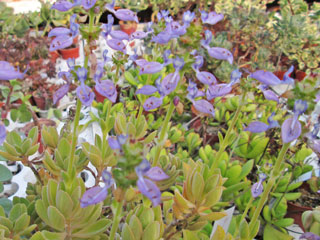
(40,102)
(128,27)
(69,53)
(300,75)
(54,56)
(99,97)
(295,211)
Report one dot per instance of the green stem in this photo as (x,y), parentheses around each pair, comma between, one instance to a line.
(140,112)
(244,215)
(116,220)
(117,73)
(225,141)
(163,133)
(274,175)
(74,137)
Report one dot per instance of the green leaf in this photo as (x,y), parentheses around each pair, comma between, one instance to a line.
(56,219)
(246,169)
(285,222)
(93,229)
(136,227)
(271,233)
(5,174)
(244,230)
(21,223)
(16,211)
(6,204)
(128,76)
(152,231)
(127,233)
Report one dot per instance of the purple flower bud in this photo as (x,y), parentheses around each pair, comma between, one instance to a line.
(204,106)
(206,78)
(114,143)
(170,82)
(87,4)
(107,178)
(3,133)
(117,45)
(147,90)
(265,77)
(270,95)
(235,76)
(211,17)
(152,103)
(220,53)
(105,56)
(207,38)
(8,72)
(149,67)
(126,15)
(97,10)
(309,236)
(85,94)
(71,62)
(218,90)
(272,123)
(257,188)
(176,100)
(82,74)
(166,59)
(290,130)
(107,89)
(110,6)
(156,174)
(60,93)
(178,63)
(74,29)
(61,42)
(119,35)
(197,63)
(63,5)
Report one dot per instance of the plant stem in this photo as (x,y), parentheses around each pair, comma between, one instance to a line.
(274,175)
(74,137)
(244,214)
(117,73)
(116,220)
(163,133)
(225,141)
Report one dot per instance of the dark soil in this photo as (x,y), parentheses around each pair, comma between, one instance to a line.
(308,199)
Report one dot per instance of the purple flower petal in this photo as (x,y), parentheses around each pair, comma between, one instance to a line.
(114,143)
(59,31)
(87,4)
(218,90)
(162,38)
(220,53)
(93,196)
(126,15)
(288,133)
(142,168)
(8,72)
(62,6)
(85,94)
(235,76)
(177,30)
(204,106)
(138,35)
(211,17)
(3,133)
(300,106)
(61,42)
(272,123)
(82,74)
(257,127)
(178,63)
(309,236)
(117,45)
(152,103)
(286,78)
(188,17)
(147,90)
(119,35)
(149,67)
(256,189)
(107,178)
(150,190)
(60,93)
(170,82)
(266,77)
(198,62)
(107,89)
(206,78)
(270,95)
(156,174)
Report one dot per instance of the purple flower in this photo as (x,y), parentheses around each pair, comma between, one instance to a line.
(176,100)
(220,53)
(211,17)
(138,35)
(119,35)
(204,106)
(116,142)
(309,236)
(147,90)
(258,127)
(145,185)
(107,28)
(117,45)
(8,72)
(163,37)
(82,74)
(193,91)
(87,4)
(218,90)
(170,82)
(3,133)
(62,91)
(152,103)
(269,94)
(97,194)
(149,67)
(291,127)
(71,62)
(122,14)
(188,17)
(235,76)
(207,39)
(257,188)
(61,42)
(162,14)
(265,77)
(105,56)
(64,6)
(107,89)
(85,94)
(177,30)
(197,63)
